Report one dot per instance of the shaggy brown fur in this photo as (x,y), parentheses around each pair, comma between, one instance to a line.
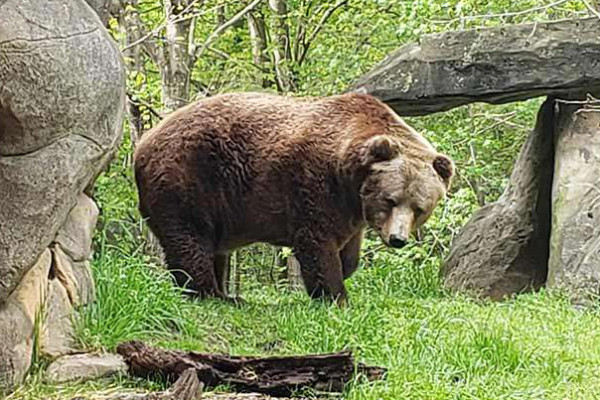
(311,174)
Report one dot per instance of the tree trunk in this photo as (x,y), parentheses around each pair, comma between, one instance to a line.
(294,273)
(258,37)
(177,57)
(131,30)
(220,15)
(281,49)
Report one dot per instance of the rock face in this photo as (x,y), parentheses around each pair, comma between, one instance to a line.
(61,105)
(574,263)
(61,102)
(19,316)
(503,249)
(494,65)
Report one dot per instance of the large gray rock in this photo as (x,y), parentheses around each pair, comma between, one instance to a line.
(574,263)
(493,65)
(61,104)
(503,249)
(19,316)
(85,366)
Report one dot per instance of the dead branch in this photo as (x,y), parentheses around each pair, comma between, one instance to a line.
(276,376)
(494,125)
(590,100)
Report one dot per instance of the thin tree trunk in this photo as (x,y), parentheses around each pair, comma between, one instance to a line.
(220,14)
(258,37)
(281,50)
(177,58)
(131,30)
(294,274)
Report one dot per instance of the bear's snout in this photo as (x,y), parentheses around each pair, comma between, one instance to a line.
(397,241)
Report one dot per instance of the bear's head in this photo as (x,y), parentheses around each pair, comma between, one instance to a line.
(405,179)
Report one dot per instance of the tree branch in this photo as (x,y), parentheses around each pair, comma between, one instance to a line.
(591,9)
(318,28)
(228,57)
(164,24)
(501,15)
(211,38)
(138,101)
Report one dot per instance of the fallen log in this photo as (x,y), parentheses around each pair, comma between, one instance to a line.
(275,376)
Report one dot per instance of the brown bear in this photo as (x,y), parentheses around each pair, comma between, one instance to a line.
(310,173)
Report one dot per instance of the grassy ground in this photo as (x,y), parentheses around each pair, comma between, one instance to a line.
(436,345)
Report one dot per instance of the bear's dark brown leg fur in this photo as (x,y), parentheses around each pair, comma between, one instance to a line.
(350,253)
(322,273)
(189,254)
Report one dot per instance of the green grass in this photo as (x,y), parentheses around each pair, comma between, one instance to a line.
(435,345)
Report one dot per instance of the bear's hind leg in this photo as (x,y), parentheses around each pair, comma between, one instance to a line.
(190,258)
(322,273)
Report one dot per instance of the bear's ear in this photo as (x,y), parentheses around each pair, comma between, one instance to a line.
(444,167)
(380,148)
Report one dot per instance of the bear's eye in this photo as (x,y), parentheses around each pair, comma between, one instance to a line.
(391,202)
(419,211)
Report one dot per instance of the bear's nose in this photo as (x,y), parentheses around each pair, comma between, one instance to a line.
(397,241)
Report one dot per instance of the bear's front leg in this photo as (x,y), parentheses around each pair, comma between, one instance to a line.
(322,272)
(350,254)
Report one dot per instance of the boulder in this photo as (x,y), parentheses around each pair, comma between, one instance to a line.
(493,65)
(574,264)
(61,106)
(84,367)
(504,247)
(19,317)
(62,97)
